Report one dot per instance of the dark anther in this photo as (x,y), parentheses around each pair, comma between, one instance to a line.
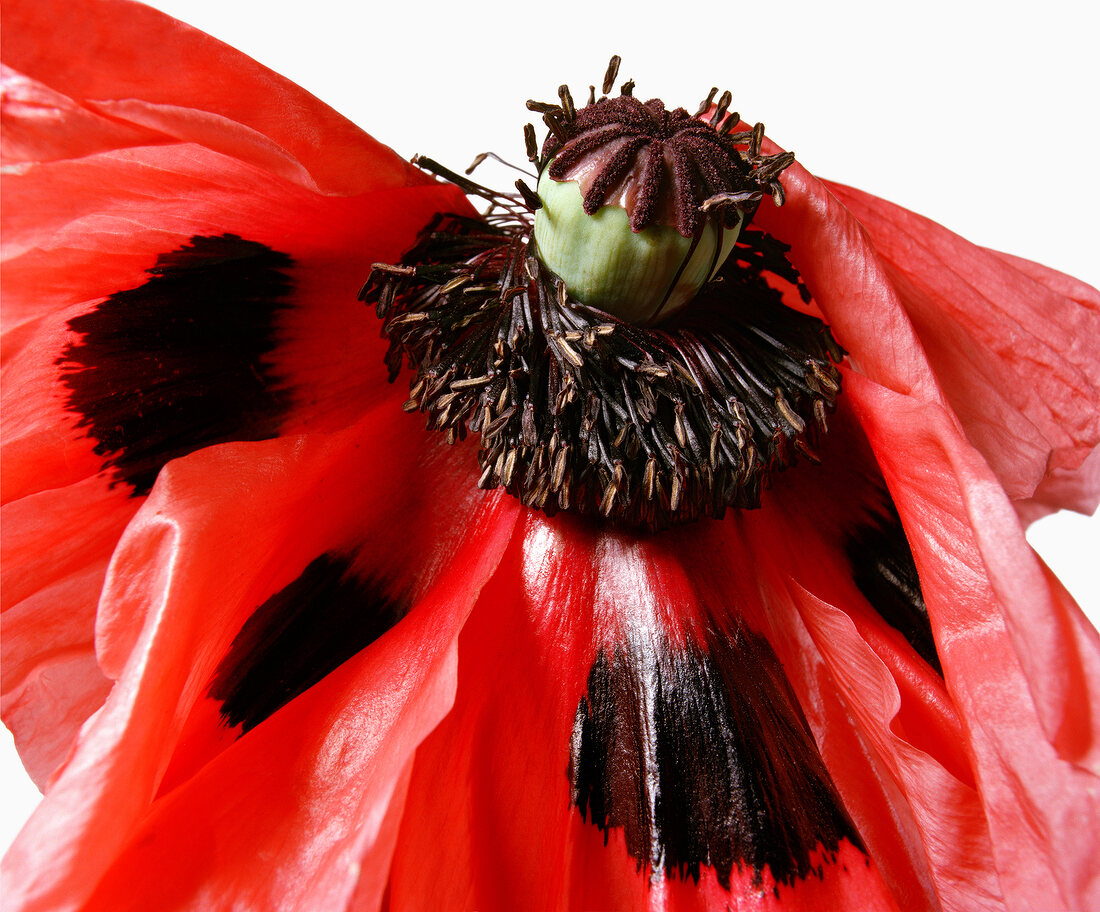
(542,107)
(612,73)
(529,196)
(531,143)
(729,123)
(478,159)
(554,126)
(720,111)
(567,102)
(757,138)
(707,102)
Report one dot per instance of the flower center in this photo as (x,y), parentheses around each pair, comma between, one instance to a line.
(640,205)
(530,327)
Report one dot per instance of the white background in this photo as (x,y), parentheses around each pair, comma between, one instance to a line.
(979,115)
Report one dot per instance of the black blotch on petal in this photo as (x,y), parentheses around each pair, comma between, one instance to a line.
(883,569)
(703,757)
(178,363)
(298,636)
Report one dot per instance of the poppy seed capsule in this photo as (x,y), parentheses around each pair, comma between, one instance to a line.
(635,275)
(640,205)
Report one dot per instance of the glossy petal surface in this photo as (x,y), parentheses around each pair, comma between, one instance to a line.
(603,750)
(984,320)
(183,583)
(111,175)
(270,647)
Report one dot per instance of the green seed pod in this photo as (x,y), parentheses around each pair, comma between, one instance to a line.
(640,206)
(639,276)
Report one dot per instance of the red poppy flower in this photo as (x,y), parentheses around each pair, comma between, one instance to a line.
(268,646)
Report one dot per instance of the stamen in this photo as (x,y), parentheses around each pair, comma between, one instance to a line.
(577,409)
(719,112)
(612,72)
(529,196)
(707,102)
(531,143)
(567,103)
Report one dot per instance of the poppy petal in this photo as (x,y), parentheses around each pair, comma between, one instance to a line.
(925,296)
(182,586)
(52,579)
(1020,662)
(890,735)
(828,574)
(52,411)
(849,284)
(1011,342)
(120,217)
(600,734)
(43,125)
(296,808)
(107,56)
(1064,489)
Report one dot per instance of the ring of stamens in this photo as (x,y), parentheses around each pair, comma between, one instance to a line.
(579,410)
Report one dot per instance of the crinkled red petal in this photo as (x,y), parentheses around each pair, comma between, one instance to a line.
(850,284)
(1012,343)
(108,172)
(1020,661)
(52,578)
(225,530)
(888,729)
(151,75)
(494,795)
(922,311)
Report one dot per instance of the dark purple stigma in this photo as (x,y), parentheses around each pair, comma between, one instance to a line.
(661,166)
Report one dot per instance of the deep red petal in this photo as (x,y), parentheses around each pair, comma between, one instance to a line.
(1012,343)
(888,731)
(162,198)
(1021,663)
(296,808)
(181,585)
(40,124)
(108,171)
(490,800)
(850,284)
(331,341)
(887,727)
(137,67)
(52,578)
(1064,489)
(913,304)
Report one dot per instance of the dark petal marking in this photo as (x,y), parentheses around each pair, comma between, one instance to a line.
(298,636)
(883,569)
(178,363)
(704,758)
